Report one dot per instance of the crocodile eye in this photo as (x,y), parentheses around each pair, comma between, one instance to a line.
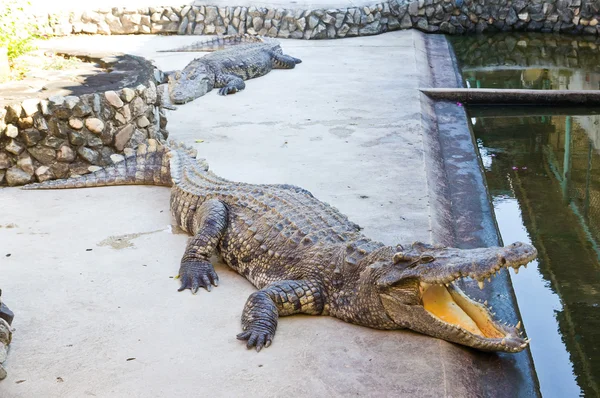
(426,258)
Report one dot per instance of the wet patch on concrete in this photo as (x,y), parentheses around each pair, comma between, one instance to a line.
(342,132)
(119,242)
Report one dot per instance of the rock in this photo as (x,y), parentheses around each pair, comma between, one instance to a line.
(13,112)
(5,162)
(91,169)
(2,174)
(116,158)
(143,121)
(40,123)
(2,373)
(95,125)
(75,123)
(14,147)
(137,138)
(43,173)
(65,154)
(53,142)
(11,131)
(31,136)
(42,154)
(60,170)
(123,136)
(25,122)
(25,163)
(413,8)
(71,101)
(82,109)
(406,22)
(313,22)
(113,99)
(76,138)
(150,94)
(127,94)
(30,106)
(16,176)
(88,154)
(512,17)
(138,107)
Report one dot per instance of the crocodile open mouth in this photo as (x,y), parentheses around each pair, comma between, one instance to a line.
(452,306)
(448,304)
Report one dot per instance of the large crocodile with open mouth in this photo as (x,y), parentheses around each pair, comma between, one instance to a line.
(236,58)
(306,257)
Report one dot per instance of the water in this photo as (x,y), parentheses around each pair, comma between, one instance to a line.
(543,173)
(529,61)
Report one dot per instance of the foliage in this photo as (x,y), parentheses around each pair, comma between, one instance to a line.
(16,28)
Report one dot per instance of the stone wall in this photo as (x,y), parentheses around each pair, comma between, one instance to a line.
(446,16)
(65,136)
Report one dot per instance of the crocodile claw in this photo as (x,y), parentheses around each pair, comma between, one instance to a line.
(258,339)
(197,274)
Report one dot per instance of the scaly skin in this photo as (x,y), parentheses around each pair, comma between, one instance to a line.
(239,58)
(304,256)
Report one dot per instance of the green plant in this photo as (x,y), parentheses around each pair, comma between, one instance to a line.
(16,27)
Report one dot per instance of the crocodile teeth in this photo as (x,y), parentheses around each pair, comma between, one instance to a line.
(485,302)
(503,341)
(518,325)
(480,284)
(516,270)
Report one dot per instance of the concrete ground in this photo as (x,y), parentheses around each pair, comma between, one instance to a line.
(89,275)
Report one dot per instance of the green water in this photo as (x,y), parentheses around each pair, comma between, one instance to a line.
(529,61)
(543,174)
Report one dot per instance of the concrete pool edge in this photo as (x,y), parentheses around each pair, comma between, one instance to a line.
(469,222)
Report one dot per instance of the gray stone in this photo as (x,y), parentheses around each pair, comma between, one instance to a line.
(75,123)
(150,94)
(313,22)
(183,26)
(31,136)
(25,122)
(92,140)
(406,22)
(16,176)
(370,29)
(5,161)
(76,138)
(2,174)
(65,154)
(13,112)
(301,24)
(71,101)
(512,17)
(53,142)
(88,154)
(138,107)
(14,147)
(11,131)
(43,173)
(95,125)
(113,99)
(3,373)
(123,136)
(343,30)
(137,138)
(413,8)
(60,170)
(82,109)
(42,154)
(26,163)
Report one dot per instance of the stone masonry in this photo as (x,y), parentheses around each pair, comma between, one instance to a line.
(445,16)
(65,136)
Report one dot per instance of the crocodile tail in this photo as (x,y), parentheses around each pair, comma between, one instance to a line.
(150,165)
(218,43)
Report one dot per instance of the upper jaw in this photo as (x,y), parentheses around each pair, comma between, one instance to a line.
(450,264)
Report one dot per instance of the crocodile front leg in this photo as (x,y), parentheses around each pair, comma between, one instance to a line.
(263,309)
(196,270)
(229,83)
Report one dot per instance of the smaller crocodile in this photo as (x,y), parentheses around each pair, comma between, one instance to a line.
(237,58)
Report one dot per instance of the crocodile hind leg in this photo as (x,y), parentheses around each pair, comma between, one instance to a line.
(282,61)
(263,309)
(196,270)
(229,83)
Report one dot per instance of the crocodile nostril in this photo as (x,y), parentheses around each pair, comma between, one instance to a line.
(502,260)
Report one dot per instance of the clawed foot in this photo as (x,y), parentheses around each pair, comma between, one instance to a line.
(256,338)
(227,90)
(197,274)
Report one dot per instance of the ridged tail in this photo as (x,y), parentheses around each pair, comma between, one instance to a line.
(218,43)
(150,165)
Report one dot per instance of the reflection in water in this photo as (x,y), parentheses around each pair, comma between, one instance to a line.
(543,173)
(528,61)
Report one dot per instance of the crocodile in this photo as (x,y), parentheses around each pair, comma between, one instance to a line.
(237,58)
(304,256)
